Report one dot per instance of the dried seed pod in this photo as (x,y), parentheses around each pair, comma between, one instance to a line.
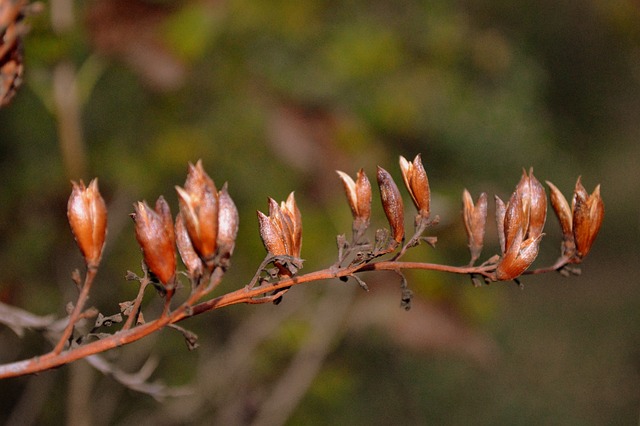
(588,213)
(524,218)
(291,211)
(359,197)
(228,221)
(538,206)
(518,257)
(271,235)
(283,225)
(281,231)
(87,215)
(392,204)
(516,219)
(475,219)
(164,211)
(155,235)
(199,207)
(187,253)
(565,217)
(416,181)
(501,210)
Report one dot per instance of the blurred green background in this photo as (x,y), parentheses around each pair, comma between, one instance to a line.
(274,96)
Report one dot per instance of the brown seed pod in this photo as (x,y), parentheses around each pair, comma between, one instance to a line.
(155,235)
(359,197)
(87,215)
(588,213)
(228,221)
(565,217)
(199,207)
(392,204)
(417,183)
(187,253)
(475,219)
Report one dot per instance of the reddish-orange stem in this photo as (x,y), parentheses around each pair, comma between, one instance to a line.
(77,310)
(244,295)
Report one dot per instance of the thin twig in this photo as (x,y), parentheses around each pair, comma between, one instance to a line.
(77,310)
(135,309)
(243,295)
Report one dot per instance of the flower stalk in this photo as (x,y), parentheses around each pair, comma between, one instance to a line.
(205,232)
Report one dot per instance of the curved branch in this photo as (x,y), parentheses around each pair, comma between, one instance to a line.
(247,294)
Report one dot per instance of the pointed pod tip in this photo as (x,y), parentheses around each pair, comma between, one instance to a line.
(596,191)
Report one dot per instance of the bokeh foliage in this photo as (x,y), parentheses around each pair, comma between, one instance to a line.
(275,95)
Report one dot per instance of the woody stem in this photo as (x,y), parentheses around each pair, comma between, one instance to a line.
(77,310)
(135,310)
(187,310)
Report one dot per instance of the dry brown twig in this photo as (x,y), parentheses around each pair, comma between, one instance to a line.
(204,234)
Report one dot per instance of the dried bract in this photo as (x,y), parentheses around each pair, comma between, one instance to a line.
(87,215)
(290,210)
(156,237)
(271,235)
(228,220)
(416,181)
(516,219)
(501,211)
(475,219)
(588,213)
(565,217)
(185,248)
(538,206)
(359,197)
(392,204)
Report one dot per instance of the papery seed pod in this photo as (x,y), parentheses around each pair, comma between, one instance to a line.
(565,217)
(87,215)
(350,190)
(475,218)
(281,231)
(562,209)
(538,207)
(392,204)
(197,180)
(228,221)
(518,258)
(417,183)
(187,253)
(501,211)
(164,211)
(290,210)
(359,197)
(516,219)
(282,224)
(199,207)
(270,235)
(523,190)
(156,240)
(588,213)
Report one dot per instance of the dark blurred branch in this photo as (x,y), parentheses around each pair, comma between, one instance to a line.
(327,321)
(68,114)
(138,381)
(18,319)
